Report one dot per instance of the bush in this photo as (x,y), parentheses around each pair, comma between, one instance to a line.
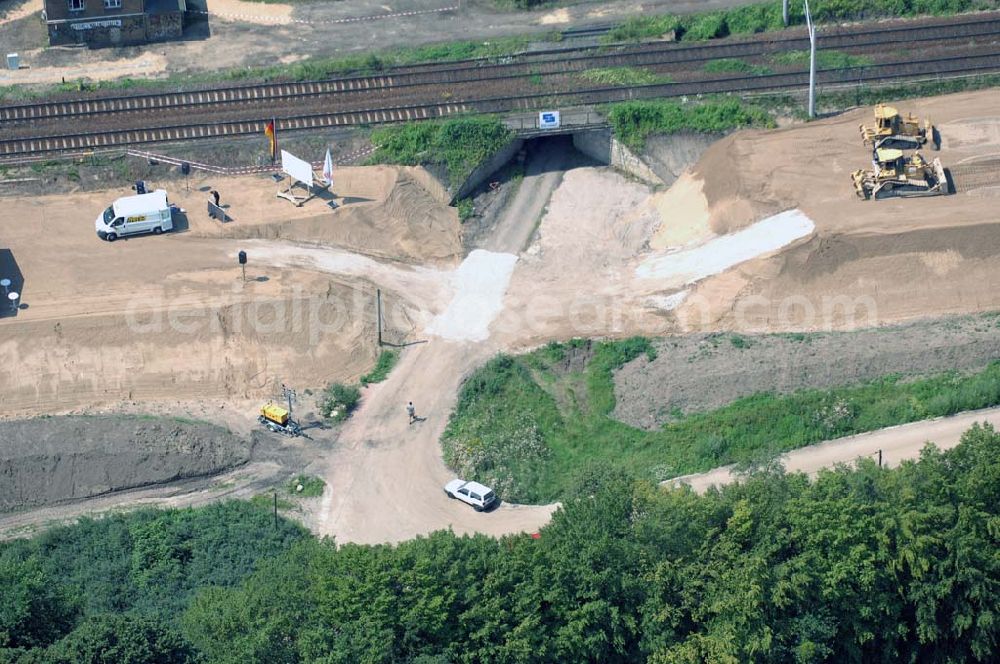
(700,27)
(466,209)
(459,144)
(639,28)
(767,16)
(340,401)
(754,18)
(386,361)
(633,121)
(528,426)
(311,486)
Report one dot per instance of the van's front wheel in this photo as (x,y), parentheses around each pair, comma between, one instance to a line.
(112,237)
(157,230)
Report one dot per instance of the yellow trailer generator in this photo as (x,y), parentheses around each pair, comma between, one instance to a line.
(279,420)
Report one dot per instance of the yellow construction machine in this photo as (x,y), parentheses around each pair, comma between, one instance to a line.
(892,130)
(894,174)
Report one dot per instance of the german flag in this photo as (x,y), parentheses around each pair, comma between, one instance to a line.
(269,132)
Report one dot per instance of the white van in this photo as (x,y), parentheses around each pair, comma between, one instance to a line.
(145,213)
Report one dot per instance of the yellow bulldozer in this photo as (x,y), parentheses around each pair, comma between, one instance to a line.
(892,130)
(894,174)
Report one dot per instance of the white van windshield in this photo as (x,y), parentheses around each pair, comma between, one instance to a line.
(109,214)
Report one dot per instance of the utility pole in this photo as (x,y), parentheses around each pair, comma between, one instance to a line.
(784,11)
(812,61)
(289,394)
(378,312)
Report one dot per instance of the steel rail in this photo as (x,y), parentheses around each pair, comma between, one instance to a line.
(111,138)
(464,72)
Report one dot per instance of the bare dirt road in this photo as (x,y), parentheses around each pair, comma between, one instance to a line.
(385,481)
(896,444)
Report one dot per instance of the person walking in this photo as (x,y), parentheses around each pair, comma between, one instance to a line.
(412,412)
(215,197)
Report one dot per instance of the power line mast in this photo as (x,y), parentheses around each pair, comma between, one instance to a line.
(289,396)
(812,61)
(784,11)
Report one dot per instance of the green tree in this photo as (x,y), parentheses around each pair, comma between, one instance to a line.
(34,610)
(121,639)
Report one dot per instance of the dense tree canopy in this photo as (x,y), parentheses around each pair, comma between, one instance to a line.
(859,565)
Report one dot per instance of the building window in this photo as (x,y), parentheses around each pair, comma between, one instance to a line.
(112,4)
(76,5)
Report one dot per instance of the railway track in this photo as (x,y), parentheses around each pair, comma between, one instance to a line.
(529,65)
(985,63)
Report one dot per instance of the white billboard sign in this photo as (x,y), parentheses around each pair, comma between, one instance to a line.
(90,25)
(298,169)
(548,120)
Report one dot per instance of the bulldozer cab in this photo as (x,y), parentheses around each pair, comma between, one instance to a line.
(889,161)
(886,117)
(892,130)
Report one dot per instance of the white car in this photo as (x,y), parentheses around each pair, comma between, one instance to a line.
(473,493)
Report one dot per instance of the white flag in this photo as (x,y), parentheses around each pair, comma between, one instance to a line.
(328,167)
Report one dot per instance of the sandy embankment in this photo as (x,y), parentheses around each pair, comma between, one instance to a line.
(157,318)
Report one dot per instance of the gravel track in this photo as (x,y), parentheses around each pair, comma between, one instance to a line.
(892,445)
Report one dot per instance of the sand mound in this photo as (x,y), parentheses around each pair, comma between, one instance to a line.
(870,262)
(685,214)
(713,199)
(159,318)
(671,156)
(191,342)
(734,198)
(384,211)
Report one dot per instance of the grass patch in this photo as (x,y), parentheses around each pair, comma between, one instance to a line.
(340,401)
(735,66)
(459,144)
(386,361)
(318,68)
(306,486)
(265,501)
(510,430)
(824,59)
(766,16)
(865,95)
(639,28)
(634,121)
(305,70)
(466,209)
(739,341)
(623,76)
